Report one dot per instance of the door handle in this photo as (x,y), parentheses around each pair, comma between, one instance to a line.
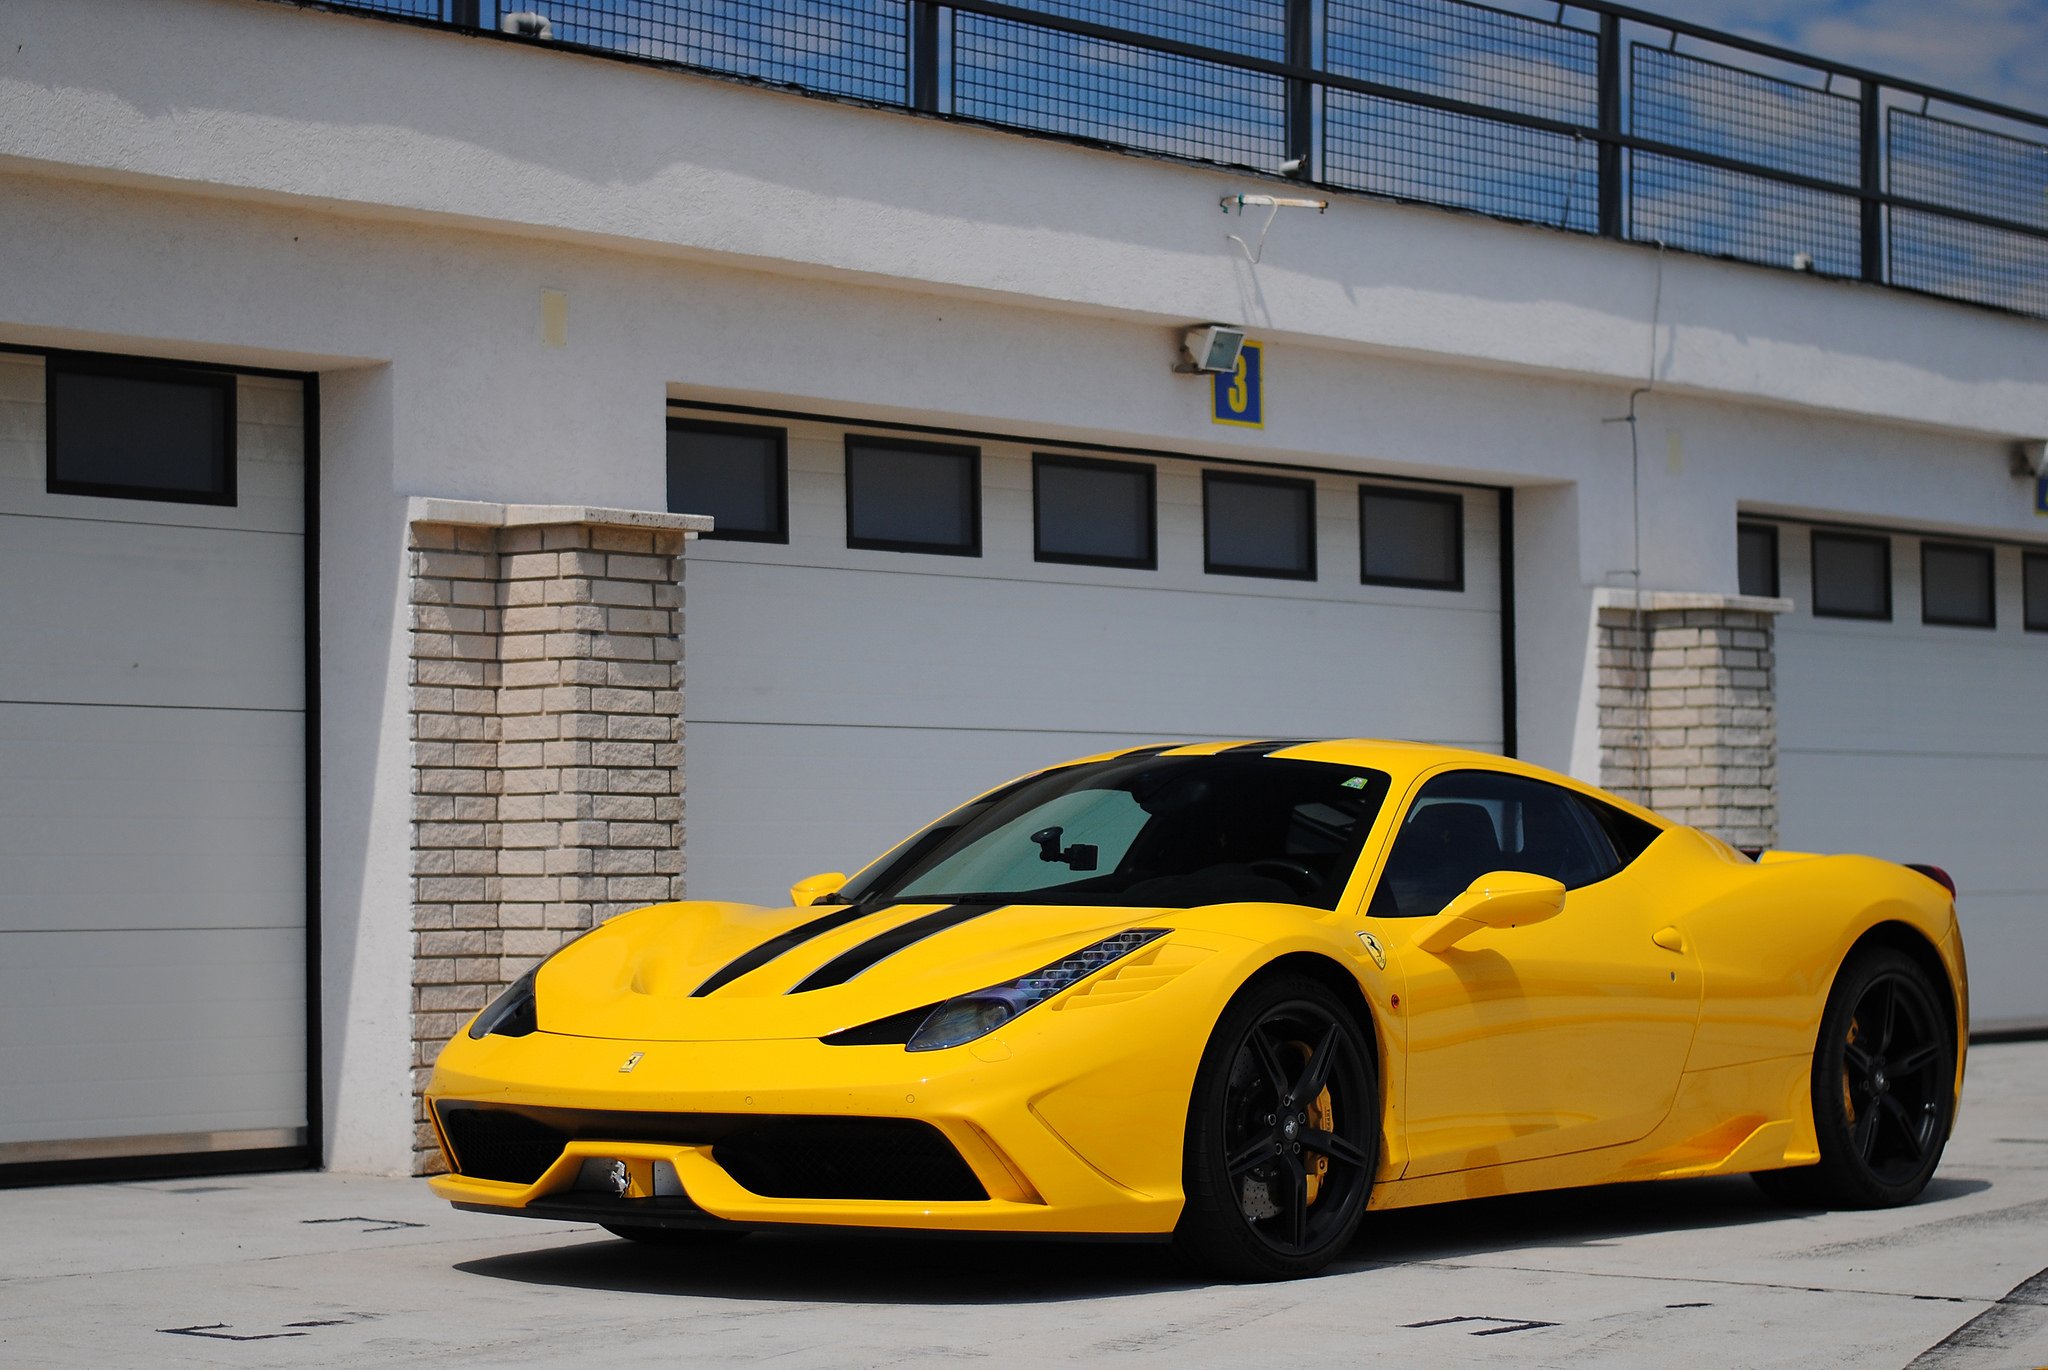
(1670,939)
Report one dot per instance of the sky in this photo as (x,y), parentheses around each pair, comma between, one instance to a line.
(1994,49)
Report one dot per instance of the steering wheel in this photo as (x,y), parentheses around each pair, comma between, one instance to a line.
(1294,874)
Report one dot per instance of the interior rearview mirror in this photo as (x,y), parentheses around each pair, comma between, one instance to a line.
(1499,899)
(814,887)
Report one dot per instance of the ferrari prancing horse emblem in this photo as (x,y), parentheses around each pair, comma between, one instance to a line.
(634,1059)
(621,1178)
(1372,944)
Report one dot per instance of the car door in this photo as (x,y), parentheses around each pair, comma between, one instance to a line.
(1544,1039)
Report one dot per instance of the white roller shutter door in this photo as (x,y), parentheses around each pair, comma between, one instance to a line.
(1915,742)
(152,801)
(835,699)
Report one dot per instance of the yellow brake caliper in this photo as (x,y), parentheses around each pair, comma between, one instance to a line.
(1322,1115)
(1848,1097)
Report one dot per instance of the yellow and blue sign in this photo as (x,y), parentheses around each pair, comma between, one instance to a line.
(2040,494)
(1239,397)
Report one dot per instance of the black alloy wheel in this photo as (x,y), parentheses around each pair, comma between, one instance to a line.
(1883,1086)
(1283,1134)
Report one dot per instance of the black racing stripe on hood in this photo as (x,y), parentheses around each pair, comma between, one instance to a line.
(777,945)
(848,964)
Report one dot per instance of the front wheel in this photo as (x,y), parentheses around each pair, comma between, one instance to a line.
(1282,1136)
(1883,1088)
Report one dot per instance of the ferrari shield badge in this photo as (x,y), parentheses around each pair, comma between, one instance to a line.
(1372,945)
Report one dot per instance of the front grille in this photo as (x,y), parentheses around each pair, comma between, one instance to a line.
(499,1144)
(847,1158)
(781,1158)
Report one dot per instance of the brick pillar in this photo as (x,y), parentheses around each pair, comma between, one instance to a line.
(547,742)
(1688,709)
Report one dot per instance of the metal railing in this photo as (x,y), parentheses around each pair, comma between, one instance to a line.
(1592,117)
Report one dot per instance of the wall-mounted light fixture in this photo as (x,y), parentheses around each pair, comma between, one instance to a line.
(1210,349)
(526,24)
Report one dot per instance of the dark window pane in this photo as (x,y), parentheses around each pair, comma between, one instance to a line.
(138,431)
(1150,831)
(1094,512)
(736,475)
(2037,591)
(1628,835)
(1411,537)
(1259,525)
(1756,556)
(1955,585)
(1468,823)
(904,497)
(1852,576)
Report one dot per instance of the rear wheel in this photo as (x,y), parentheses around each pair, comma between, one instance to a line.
(1283,1134)
(1883,1088)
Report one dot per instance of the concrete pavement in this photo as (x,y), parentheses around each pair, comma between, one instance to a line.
(330,1270)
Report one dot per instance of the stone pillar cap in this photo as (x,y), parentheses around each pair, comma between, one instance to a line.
(1654,601)
(484,514)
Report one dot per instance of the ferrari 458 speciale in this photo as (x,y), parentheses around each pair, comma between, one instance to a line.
(1232,995)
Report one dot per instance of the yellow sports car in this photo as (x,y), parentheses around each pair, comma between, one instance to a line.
(1232,995)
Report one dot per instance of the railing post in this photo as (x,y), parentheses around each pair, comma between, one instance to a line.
(1609,81)
(1300,95)
(924,56)
(1873,185)
(465,14)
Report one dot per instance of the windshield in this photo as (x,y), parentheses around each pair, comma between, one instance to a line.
(1161,831)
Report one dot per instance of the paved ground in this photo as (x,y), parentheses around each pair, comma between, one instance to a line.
(305,1270)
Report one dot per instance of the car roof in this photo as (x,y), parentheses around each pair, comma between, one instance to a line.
(1403,760)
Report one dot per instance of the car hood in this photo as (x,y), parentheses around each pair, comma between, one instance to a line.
(717,971)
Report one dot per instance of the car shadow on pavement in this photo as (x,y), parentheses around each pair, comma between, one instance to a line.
(1593,1216)
(853,1267)
(823,1266)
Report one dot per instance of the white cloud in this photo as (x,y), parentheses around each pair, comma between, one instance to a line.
(1993,49)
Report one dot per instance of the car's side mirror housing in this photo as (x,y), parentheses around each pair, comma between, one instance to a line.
(812,888)
(1499,899)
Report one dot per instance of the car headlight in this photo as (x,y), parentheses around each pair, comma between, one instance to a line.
(965,1017)
(511,1014)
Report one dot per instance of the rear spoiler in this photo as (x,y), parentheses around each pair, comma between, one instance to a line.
(1937,875)
(1765,856)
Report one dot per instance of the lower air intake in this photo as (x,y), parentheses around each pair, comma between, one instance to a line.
(847,1158)
(497,1144)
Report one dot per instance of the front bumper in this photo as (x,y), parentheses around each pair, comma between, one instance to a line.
(1056,1148)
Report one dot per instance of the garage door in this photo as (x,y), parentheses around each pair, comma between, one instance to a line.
(1916,740)
(152,763)
(837,697)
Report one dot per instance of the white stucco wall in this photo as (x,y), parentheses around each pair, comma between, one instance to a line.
(241,181)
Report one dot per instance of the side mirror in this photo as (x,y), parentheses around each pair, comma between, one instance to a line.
(812,888)
(1500,899)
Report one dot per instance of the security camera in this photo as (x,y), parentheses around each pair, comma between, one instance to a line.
(1294,168)
(1210,350)
(2030,459)
(526,24)
(1803,261)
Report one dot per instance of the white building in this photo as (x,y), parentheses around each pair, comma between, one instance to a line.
(348,368)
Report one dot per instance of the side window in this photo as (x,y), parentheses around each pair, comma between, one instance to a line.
(1627,835)
(1466,823)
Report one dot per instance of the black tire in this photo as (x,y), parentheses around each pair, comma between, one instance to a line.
(1270,1194)
(676,1238)
(1884,1074)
